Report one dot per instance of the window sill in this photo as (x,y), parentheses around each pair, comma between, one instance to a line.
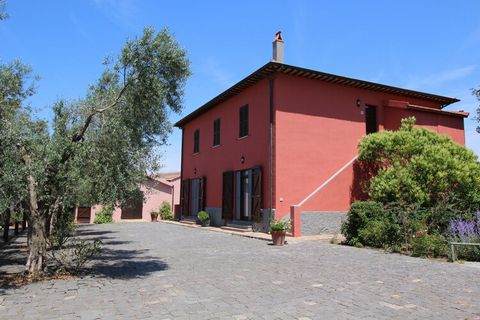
(241,138)
(196,153)
(216,146)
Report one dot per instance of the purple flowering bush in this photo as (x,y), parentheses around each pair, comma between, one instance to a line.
(466,231)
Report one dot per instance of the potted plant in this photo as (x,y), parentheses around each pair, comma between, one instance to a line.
(278,230)
(204,218)
(154,216)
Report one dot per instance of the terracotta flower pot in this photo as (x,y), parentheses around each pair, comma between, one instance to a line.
(278,237)
(154,218)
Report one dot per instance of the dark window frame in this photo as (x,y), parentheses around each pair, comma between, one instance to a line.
(196,141)
(243,125)
(216,132)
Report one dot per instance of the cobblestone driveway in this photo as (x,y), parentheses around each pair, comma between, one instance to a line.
(162,271)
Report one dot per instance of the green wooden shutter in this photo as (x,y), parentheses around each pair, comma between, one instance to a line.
(185,198)
(243,121)
(257,194)
(201,193)
(227,201)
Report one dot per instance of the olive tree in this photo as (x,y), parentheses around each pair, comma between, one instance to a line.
(98,148)
(3,13)
(16,84)
(476,93)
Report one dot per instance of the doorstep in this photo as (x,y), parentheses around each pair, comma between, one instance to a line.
(254,235)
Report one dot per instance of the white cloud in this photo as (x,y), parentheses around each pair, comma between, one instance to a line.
(441,78)
(122,12)
(216,72)
(79,27)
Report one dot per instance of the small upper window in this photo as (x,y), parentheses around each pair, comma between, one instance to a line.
(243,121)
(216,132)
(196,141)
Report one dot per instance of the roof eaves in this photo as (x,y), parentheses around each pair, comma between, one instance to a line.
(461,114)
(246,82)
(362,84)
(272,67)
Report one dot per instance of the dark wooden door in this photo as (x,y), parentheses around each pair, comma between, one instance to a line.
(133,210)
(371,119)
(84,214)
(227,197)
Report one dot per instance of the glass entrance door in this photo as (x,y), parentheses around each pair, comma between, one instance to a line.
(195,197)
(243,195)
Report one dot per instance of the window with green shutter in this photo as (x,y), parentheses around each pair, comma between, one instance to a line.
(243,121)
(216,132)
(196,141)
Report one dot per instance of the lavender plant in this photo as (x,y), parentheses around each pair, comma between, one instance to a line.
(467,231)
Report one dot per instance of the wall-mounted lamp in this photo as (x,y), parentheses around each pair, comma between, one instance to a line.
(242,159)
(194,170)
(358,103)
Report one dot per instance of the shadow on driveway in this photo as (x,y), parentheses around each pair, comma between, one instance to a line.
(126,264)
(115,260)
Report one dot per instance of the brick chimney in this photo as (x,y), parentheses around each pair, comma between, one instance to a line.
(278,48)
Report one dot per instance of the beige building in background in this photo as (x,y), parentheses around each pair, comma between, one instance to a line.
(156,190)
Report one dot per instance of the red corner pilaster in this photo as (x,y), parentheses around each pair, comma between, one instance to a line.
(296,221)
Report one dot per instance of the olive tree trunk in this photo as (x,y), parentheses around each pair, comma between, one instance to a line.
(37,244)
(6,224)
(37,238)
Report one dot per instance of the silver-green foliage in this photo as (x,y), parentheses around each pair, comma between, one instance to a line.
(476,93)
(16,126)
(98,148)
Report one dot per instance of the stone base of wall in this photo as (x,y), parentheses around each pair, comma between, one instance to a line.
(315,223)
(215,216)
(217,221)
(264,225)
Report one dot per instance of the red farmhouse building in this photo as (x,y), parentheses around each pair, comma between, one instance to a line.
(287,136)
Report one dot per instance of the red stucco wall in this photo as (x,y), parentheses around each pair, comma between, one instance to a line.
(211,161)
(318,127)
(451,126)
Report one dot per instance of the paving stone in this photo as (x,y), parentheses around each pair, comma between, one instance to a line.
(166,271)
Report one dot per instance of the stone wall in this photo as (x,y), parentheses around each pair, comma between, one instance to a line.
(314,223)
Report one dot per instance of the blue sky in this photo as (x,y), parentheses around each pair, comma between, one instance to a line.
(430,46)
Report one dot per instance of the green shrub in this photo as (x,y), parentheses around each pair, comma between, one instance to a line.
(74,255)
(380,234)
(166,211)
(63,228)
(429,245)
(409,220)
(420,166)
(361,212)
(203,216)
(104,215)
(421,182)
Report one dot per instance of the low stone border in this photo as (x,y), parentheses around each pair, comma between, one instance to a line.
(255,235)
